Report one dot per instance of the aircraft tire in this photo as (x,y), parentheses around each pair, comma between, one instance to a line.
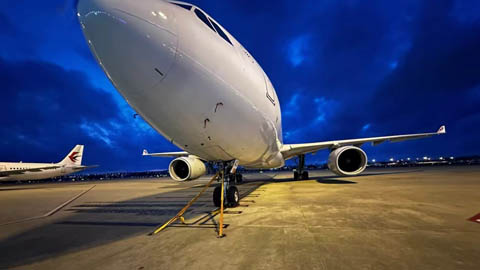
(233,196)
(217,196)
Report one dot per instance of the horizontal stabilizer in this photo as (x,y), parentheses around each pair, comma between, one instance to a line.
(81,168)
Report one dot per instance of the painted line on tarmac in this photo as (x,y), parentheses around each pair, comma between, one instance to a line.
(50,213)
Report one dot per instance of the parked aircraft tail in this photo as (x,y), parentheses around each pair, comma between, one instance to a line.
(74,157)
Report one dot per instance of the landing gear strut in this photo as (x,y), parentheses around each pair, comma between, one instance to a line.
(300,173)
(231,194)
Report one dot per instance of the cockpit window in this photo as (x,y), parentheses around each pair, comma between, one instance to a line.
(220,32)
(187,7)
(204,18)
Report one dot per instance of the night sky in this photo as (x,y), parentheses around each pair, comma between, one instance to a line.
(341,69)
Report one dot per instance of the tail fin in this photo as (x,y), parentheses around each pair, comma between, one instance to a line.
(74,157)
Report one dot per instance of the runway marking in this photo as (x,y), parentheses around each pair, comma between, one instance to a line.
(53,211)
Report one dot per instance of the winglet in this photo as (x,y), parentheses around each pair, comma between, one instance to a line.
(145,152)
(441,130)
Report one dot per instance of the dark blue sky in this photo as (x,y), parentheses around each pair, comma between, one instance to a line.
(341,69)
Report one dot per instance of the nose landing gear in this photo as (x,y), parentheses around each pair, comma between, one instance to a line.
(226,193)
(231,194)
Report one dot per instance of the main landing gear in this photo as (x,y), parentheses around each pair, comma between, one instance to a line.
(300,173)
(231,194)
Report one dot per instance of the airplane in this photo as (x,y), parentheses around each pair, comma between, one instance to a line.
(20,171)
(197,86)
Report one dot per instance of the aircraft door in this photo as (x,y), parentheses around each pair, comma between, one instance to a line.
(3,168)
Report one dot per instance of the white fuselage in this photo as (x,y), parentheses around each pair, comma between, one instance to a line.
(41,174)
(205,95)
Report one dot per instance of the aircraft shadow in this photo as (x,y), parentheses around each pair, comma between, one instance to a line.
(96,223)
(329,179)
(334,181)
(338,180)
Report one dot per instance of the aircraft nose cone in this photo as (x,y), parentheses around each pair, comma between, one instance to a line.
(134,42)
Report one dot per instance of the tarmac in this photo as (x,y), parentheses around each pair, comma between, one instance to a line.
(401,218)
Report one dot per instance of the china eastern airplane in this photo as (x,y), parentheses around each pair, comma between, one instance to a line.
(20,171)
(196,85)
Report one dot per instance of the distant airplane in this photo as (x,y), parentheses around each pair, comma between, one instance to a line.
(20,171)
(195,84)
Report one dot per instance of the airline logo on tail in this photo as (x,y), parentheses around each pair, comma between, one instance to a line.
(73,157)
(441,130)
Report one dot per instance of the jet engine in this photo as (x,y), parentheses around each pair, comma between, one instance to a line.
(186,168)
(347,160)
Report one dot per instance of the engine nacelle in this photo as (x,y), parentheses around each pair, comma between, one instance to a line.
(347,160)
(186,168)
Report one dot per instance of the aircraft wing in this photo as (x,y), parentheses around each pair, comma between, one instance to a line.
(292,150)
(166,154)
(16,172)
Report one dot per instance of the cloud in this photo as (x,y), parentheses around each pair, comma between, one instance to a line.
(365,127)
(435,82)
(293,105)
(325,109)
(46,110)
(297,50)
(466,11)
(337,66)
